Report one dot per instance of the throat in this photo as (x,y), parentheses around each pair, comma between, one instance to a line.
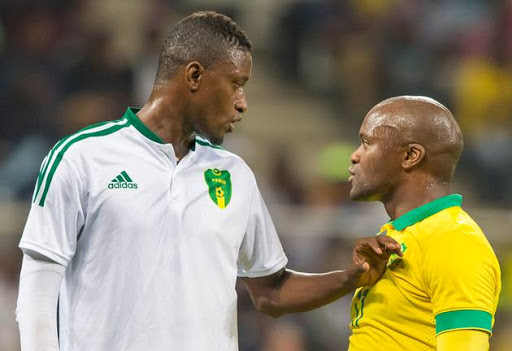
(183,148)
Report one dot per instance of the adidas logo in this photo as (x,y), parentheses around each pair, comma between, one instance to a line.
(122,181)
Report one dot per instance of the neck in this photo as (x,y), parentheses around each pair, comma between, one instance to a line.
(166,120)
(409,197)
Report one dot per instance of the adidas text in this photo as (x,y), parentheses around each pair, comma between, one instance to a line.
(122,186)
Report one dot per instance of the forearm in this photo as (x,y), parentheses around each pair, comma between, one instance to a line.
(36,310)
(287,291)
(463,340)
(301,292)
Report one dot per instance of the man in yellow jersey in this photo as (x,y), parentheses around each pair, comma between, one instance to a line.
(443,293)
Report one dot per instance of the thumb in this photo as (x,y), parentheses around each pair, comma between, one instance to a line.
(362,268)
(365,267)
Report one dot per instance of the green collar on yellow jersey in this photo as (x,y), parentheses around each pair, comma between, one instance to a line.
(427,210)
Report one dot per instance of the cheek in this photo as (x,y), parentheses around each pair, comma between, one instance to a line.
(379,167)
(224,103)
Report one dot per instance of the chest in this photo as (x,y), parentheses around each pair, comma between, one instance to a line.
(400,294)
(146,197)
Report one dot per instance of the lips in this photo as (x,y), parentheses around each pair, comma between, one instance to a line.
(352,175)
(231,127)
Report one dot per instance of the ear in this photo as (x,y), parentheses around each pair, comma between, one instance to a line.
(193,73)
(415,153)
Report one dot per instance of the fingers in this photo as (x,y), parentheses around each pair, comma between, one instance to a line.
(374,245)
(382,246)
(389,245)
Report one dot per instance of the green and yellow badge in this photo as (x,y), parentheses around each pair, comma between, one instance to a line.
(394,258)
(219,186)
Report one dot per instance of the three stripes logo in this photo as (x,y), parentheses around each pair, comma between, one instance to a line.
(122,181)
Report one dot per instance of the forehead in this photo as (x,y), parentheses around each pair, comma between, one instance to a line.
(382,123)
(237,63)
(376,118)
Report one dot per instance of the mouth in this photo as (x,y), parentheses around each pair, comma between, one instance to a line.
(352,175)
(231,127)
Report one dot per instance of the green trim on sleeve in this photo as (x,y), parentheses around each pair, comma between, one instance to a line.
(427,210)
(130,114)
(463,319)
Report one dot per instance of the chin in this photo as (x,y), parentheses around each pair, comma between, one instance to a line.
(354,196)
(360,195)
(217,141)
(214,139)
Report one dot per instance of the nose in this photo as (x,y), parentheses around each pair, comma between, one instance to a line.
(241,104)
(355,157)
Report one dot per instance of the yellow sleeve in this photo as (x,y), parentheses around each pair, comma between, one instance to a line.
(462,278)
(463,340)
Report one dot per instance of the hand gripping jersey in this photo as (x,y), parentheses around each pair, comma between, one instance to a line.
(152,248)
(447,279)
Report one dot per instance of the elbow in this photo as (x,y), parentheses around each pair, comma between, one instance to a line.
(269,308)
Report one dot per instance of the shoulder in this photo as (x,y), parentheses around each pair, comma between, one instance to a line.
(454,242)
(459,245)
(451,227)
(86,141)
(67,159)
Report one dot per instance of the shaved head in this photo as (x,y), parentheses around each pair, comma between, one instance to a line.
(405,120)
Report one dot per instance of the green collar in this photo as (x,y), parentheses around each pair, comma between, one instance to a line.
(130,114)
(427,210)
(201,140)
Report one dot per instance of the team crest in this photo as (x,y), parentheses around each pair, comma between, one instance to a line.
(219,186)
(394,258)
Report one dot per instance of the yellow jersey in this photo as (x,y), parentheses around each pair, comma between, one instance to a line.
(448,279)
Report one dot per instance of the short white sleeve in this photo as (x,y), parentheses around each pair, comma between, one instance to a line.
(261,253)
(56,215)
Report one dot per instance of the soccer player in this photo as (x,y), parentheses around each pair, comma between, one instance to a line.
(443,293)
(144,223)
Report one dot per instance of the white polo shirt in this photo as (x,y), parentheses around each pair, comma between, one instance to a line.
(152,247)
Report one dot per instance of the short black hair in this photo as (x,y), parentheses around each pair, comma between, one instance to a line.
(206,37)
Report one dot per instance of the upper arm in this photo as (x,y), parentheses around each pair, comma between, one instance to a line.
(463,340)
(261,286)
(57,213)
(263,290)
(261,253)
(463,280)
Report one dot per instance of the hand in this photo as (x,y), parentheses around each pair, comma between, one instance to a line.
(370,257)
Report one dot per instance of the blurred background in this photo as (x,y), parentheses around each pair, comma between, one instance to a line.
(319,66)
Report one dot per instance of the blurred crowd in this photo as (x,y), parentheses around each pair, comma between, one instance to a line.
(460,52)
(66,64)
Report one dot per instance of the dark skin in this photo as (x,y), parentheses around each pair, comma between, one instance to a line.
(209,102)
(196,99)
(288,291)
(408,153)
(409,149)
